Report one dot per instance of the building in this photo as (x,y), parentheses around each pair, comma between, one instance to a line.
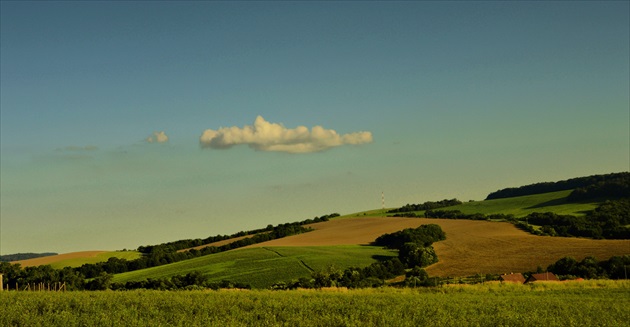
(542,277)
(512,278)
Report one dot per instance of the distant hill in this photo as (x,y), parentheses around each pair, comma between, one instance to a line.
(521,206)
(590,187)
(24,256)
(76,259)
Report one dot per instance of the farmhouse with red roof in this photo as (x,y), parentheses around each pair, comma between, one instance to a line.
(512,278)
(542,277)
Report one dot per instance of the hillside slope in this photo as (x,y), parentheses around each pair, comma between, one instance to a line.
(473,247)
(76,259)
(556,202)
(345,231)
(262,267)
(470,247)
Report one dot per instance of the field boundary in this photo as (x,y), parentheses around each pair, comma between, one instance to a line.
(274,251)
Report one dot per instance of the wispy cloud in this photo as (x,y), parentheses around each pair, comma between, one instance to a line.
(157,137)
(266,136)
(74,148)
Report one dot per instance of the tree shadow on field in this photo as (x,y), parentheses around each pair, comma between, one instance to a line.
(551,203)
(382,258)
(562,201)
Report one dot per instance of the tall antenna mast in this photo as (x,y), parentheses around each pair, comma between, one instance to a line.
(383,200)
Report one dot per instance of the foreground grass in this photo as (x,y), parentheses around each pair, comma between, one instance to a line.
(263,267)
(589,303)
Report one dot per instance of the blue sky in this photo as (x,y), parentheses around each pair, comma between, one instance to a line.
(427,100)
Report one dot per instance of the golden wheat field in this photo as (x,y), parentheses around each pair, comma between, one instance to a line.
(56,258)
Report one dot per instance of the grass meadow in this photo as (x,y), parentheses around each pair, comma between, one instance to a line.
(588,303)
(521,206)
(262,267)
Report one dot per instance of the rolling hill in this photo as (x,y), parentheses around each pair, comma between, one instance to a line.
(471,247)
(263,266)
(76,259)
(520,206)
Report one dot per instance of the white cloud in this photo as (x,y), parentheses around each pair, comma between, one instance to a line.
(266,136)
(159,137)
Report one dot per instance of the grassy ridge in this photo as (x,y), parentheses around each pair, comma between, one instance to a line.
(591,303)
(77,259)
(262,267)
(521,206)
(101,257)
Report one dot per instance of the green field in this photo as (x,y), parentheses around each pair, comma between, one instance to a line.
(521,206)
(369,213)
(589,303)
(262,267)
(101,257)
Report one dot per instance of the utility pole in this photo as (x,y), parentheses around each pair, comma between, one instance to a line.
(383,200)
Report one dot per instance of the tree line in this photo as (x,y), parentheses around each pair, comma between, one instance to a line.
(24,256)
(191,243)
(608,185)
(608,221)
(191,281)
(426,206)
(456,214)
(616,187)
(589,268)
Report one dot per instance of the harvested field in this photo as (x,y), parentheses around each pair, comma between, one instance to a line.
(217,243)
(346,231)
(495,247)
(470,247)
(56,258)
(77,259)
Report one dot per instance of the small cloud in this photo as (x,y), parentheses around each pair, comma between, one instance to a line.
(266,136)
(157,137)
